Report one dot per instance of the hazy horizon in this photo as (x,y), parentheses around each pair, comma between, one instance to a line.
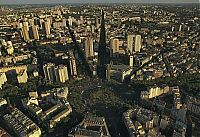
(10,2)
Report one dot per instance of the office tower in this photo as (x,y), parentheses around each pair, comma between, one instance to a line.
(61,74)
(49,72)
(47,27)
(89,51)
(72,64)
(130,43)
(34,32)
(25,33)
(138,43)
(131,61)
(115,45)
(101,67)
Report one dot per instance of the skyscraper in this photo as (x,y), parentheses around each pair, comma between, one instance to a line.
(130,43)
(89,51)
(101,67)
(138,43)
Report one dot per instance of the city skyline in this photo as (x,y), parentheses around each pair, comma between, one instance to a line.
(99,69)
(10,2)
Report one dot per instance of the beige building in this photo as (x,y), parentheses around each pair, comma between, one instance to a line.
(49,72)
(89,51)
(153,92)
(21,124)
(60,116)
(3,79)
(61,73)
(73,69)
(22,76)
(15,68)
(130,39)
(115,45)
(35,32)
(47,27)
(138,43)
(25,33)
(9,48)
(54,73)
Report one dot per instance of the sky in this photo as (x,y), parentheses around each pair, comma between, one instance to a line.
(93,1)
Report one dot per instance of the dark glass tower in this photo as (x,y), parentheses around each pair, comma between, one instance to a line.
(101,67)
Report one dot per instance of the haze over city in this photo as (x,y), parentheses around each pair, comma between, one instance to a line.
(93,1)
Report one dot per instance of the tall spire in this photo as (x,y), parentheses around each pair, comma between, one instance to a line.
(101,68)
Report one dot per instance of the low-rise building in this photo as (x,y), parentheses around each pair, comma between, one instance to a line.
(21,124)
(153,92)
(2,102)
(22,77)
(60,116)
(91,127)
(193,104)
(3,79)
(3,133)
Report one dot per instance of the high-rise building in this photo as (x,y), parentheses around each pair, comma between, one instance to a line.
(89,51)
(25,33)
(115,45)
(47,27)
(138,43)
(101,67)
(25,24)
(35,32)
(72,64)
(130,43)
(70,21)
(49,72)
(97,22)
(62,74)
(131,61)
(54,73)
